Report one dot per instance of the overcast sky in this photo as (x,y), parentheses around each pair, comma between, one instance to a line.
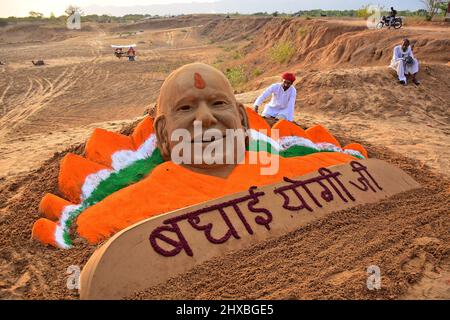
(20,8)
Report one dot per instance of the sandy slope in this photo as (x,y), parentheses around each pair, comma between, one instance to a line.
(370,106)
(44,110)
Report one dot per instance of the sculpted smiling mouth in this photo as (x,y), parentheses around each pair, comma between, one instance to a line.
(207,139)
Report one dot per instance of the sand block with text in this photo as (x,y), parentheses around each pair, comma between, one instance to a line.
(154,250)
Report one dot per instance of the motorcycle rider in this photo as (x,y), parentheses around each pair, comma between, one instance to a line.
(392,15)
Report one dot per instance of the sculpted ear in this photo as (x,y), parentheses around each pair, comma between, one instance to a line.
(162,136)
(243,116)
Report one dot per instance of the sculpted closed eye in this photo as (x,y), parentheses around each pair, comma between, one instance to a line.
(219,103)
(184,108)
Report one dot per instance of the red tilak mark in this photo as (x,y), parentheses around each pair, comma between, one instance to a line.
(199,82)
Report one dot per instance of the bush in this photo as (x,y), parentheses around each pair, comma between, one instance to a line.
(228,49)
(302,31)
(237,55)
(257,72)
(282,52)
(218,63)
(236,75)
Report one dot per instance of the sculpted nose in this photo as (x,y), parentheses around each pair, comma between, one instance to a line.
(205,115)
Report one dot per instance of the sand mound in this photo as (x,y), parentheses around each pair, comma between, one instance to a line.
(372,90)
(37,32)
(167,23)
(324,43)
(337,248)
(233,29)
(30,270)
(328,259)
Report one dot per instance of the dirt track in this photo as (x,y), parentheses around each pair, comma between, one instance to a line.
(83,86)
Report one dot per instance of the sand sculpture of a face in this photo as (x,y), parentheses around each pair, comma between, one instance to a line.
(121,180)
(199,99)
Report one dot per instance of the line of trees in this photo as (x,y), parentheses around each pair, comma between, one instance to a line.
(429,11)
(431,8)
(105,18)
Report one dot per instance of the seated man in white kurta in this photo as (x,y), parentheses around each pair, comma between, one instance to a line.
(282,104)
(404,63)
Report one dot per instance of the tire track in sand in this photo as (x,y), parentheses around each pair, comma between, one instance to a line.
(42,91)
(2,97)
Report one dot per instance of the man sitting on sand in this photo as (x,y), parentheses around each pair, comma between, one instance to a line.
(283,99)
(404,63)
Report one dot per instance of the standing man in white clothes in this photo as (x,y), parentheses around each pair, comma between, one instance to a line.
(282,104)
(404,63)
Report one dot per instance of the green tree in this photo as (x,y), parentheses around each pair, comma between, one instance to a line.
(443,7)
(70,10)
(35,15)
(432,7)
(363,12)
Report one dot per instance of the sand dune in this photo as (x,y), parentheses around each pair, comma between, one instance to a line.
(344,83)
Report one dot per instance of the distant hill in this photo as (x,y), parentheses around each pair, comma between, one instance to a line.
(247,6)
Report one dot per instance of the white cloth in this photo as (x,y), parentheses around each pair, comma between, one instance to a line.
(399,65)
(282,103)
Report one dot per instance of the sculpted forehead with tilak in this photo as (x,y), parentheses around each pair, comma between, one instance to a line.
(199,96)
(193,80)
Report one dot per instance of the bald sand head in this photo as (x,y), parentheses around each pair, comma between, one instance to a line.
(192,78)
(197,100)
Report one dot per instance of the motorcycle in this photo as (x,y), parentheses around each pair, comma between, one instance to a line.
(397,23)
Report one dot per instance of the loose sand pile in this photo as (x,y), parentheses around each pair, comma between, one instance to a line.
(406,236)
(30,270)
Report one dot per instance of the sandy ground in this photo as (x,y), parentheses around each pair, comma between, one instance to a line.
(44,110)
(83,86)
